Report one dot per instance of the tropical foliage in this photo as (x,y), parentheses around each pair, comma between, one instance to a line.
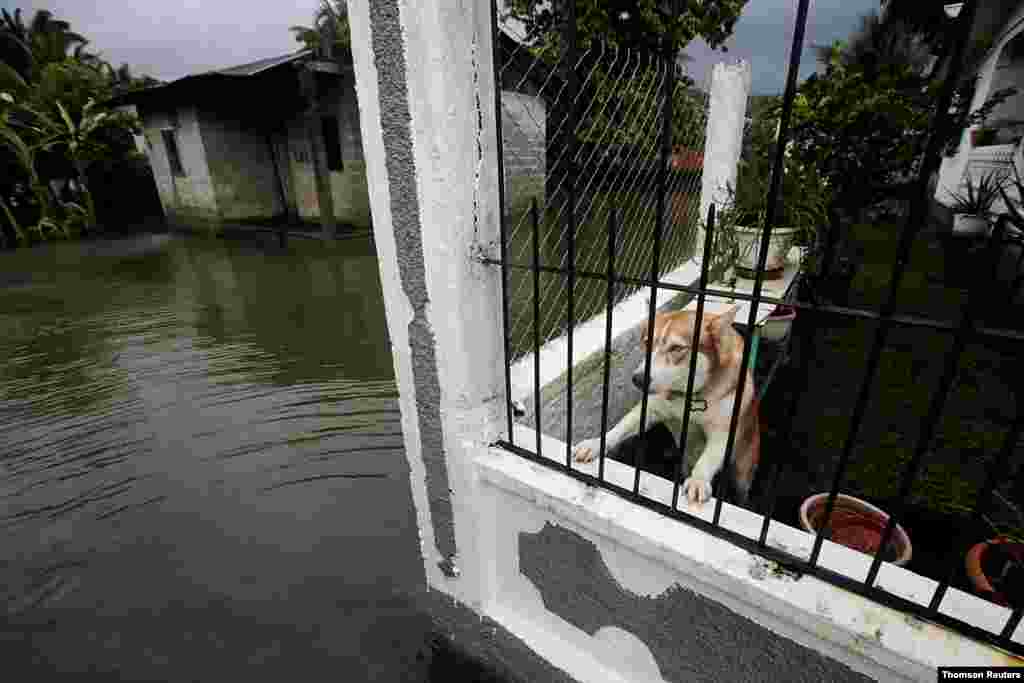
(330,33)
(638,24)
(55,122)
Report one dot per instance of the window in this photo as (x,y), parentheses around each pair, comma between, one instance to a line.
(332,142)
(173,157)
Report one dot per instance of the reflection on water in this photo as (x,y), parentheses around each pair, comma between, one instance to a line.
(201,464)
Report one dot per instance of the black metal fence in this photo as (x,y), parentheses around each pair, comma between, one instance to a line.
(580,135)
(568,272)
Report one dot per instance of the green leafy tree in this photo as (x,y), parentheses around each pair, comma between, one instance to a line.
(639,24)
(27,48)
(330,33)
(54,124)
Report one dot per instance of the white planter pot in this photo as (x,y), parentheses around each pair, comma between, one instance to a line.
(969,225)
(778,247)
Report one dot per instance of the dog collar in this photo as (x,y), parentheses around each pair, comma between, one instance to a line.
(698,404)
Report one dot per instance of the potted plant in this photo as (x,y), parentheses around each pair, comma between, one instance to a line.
(973,207)
(996,569)
(802,207)
(856,524)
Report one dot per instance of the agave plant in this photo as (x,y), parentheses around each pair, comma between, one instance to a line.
(977,199)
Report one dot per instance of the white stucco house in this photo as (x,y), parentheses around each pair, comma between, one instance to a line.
(222,151)
(996,59)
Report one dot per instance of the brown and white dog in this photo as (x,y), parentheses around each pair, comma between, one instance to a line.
(719,356)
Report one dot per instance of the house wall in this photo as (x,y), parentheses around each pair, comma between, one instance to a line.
(1009,72)
(240,166)
(523,136)
(187,198)
(991,20)
(348,187)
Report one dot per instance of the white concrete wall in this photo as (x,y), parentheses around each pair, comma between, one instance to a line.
(426,99)
(240,167)
(348,186)
(193,193)
(723,141)
(952,169)
(651,557)
(524,140)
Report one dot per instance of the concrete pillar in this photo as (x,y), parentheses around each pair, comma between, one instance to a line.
(723,141)
(424,81)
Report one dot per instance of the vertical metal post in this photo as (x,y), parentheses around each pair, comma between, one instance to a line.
(807,343)
(612,229)
(668,60)
(769,221)
(502,228)
(569,37)
(1011,625)
(705,265)
(535,221)
(916,217)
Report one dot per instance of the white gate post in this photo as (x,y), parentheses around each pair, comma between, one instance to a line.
(723,141)
(425,86)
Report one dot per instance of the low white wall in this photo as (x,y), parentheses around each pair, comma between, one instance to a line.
(650,555)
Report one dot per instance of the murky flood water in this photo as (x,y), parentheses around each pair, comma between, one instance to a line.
(201,468)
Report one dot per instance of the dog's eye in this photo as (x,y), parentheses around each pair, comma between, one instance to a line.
(676,348)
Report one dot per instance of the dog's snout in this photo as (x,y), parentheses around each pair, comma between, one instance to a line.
(638,380)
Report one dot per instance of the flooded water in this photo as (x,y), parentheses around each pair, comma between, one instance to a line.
(201,467)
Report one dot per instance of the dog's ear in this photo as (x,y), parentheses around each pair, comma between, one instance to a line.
(722,321)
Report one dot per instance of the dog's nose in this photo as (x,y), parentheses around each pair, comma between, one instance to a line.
(638,380)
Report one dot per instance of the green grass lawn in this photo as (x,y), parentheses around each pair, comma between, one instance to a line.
(633,256)
(971,429)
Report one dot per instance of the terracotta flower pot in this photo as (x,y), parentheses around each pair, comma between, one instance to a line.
(856,524)
(995,568)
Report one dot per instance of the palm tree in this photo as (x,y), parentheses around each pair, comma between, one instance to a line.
(880,45)
(330,31)
(26,49)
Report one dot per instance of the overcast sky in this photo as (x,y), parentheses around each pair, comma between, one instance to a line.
(170,39)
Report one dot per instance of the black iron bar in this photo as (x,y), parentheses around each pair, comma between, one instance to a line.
(808,331)
(1009,628)
(769,220)
(569,36)
(916,217)
(502,228)
(535,220)
(938,402)
(996,469)
(838,311)
(609,304)
(668,60)
(784,559)
(684,431)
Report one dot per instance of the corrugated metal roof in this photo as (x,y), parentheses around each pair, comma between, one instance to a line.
(250,69)
(253,68)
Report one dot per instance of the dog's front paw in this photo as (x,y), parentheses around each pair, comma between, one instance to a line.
(697,490)
(586,450)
